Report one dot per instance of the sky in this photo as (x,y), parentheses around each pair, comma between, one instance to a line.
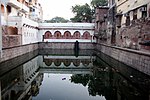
(60,8)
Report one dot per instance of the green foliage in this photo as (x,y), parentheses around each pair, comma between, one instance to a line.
(98,3)
(83,13)
(57,20)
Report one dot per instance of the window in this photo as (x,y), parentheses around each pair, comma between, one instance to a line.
(135,14)
(118,20)
(8,9)
(144,14)
(127,20)
(143,11)
(127,15)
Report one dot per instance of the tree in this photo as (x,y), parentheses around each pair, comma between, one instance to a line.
(57,20)
(98,3)
(83,13)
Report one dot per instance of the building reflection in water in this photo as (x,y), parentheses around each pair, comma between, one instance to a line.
(24,82)
(16,84)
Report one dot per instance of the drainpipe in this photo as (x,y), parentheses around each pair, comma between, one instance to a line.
(0,34)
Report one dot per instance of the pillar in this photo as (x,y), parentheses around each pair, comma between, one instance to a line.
(0,34)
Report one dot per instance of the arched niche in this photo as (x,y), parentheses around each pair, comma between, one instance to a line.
(57,62)
(76,35)
(76,62)
(86,35)
(57,35)
(67,35)
(12,30)
(47,35)
(67,62)
(48,62)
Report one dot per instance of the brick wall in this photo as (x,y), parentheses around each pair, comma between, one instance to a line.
(137,59)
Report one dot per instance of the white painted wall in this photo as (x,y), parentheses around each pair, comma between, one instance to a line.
(63,27)
(67,25)
(29,35)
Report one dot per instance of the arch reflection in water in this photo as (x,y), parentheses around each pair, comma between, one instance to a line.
(68,61)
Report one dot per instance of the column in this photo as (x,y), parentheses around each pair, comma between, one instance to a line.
(0,34)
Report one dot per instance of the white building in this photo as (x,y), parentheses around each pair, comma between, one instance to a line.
(22,24)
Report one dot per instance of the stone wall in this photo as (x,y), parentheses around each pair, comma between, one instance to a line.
(17,61)
(64,45)
(12,52)
(137,59)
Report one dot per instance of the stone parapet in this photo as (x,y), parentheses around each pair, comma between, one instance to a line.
(12,52)
(64,45)
(137,59)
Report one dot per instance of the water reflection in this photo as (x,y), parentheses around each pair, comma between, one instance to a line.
(66,77)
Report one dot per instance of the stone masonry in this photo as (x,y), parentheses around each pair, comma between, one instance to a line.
(12,52)
(136,59)
(132,36)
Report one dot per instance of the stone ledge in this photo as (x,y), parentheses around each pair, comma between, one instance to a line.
(129,50)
